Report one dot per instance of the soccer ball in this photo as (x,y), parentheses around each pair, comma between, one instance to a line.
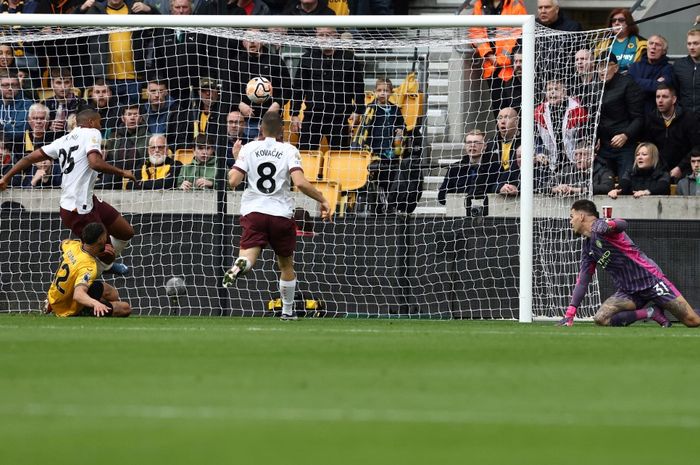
(258,89)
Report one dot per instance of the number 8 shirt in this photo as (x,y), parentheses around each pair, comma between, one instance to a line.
(268,164)
(78,181)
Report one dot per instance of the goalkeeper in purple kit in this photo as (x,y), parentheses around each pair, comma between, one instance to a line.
(643,291)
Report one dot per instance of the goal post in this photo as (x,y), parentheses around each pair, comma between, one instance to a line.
(204,293)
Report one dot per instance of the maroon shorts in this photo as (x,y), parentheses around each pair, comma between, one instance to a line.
(101,212)
(260,229)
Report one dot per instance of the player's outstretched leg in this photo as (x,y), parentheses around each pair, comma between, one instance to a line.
(626,318)
(240,266)
(681,309)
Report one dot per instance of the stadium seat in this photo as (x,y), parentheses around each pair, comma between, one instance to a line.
(184,156)
(311,161)
(349,168)
(330,190)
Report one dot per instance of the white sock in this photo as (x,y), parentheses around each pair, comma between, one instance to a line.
(287,290)
(118,244)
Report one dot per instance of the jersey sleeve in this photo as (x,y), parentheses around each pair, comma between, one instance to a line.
(93,141)
(242,161)
(85,275)
(52,149)
(294,160)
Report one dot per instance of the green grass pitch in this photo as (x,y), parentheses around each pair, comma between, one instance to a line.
(261,391)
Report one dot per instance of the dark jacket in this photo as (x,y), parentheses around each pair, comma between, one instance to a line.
(603,178)
(646,76)
(564,24)
(688,186)
(622,111)
(493,151)
(657,181)
(474,180)
(333,87)
(98,46)
(322,9)
(267,65)
(676,141)
(542,179)
(687,75)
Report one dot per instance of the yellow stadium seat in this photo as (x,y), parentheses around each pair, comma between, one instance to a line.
(349,168)
(311,161)
(330,190)
(184,156)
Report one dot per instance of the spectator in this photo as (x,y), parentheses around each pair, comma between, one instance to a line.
(587,84)
(628,46)
(6,161)
(331,83)
(160,108)
(687,74)
(646,177)
(14,107)
(548,14)
(381,133)
(508,182)
(127,148)
(38,134)
(241,7)
(100,98)
(180,55)
(53,7)
(690,185)
(276,6)
(508,94)
(560,122)
(577,179)
(235,130)
(290,54)
(7,58)
(254,61)
(158,171)
(308,8)
(652,70)
(201,173)
(495,52)
(64,101)
(621,118)
(674,130)
(474,175)
(119,56)
(501,148)
(44,174)
(192,119)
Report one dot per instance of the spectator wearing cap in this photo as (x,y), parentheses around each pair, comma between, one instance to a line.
(621,118)
(201,173)
(652,69)
(193,118)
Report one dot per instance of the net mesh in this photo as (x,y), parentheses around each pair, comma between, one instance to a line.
(424,226)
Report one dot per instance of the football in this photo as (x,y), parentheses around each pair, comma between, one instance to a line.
(259,89)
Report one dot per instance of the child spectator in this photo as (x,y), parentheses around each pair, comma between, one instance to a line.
(201,173)
(381,133)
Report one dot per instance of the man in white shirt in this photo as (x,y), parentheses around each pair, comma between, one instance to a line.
(267,206)
(80,155)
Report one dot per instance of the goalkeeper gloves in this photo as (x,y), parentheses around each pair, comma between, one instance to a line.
(568,319)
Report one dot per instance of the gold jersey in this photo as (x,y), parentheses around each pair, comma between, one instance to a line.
(77,268)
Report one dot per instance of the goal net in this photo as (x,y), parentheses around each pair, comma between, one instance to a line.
(409,132)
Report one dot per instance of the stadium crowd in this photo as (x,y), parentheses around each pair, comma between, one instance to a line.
(173,102)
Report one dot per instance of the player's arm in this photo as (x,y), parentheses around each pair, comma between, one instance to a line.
(305,186)
(235,177)
(98,164)
(80,295)
(581,287)
(26,161)
(609,226)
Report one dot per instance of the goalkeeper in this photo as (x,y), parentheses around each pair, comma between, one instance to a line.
(637,278)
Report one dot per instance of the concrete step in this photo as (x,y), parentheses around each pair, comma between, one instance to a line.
(420,210)
(438,86)
(436,117)
(437,101)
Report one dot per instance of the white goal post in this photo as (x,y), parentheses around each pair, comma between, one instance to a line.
(527,115)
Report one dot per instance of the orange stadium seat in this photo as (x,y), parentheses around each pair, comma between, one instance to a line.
(311,161)
(350,168)
(184,156)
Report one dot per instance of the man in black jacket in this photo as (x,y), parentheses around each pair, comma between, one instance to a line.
(621,118)
(331,82)
(674,130)
(686,72)
(548,14)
